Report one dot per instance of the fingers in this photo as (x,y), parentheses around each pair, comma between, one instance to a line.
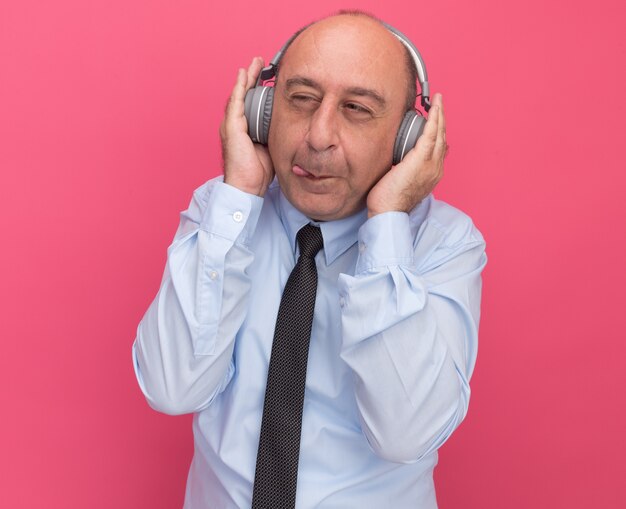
(427,141)
(253,72)
(432,143)
(441,147)
(246,79)
(235,102)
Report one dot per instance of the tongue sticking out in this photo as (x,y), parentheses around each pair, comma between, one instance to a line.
(301,172)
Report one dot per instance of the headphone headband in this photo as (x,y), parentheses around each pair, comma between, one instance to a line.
(422,74)
(269,71)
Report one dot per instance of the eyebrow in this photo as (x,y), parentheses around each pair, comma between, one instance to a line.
(359,91)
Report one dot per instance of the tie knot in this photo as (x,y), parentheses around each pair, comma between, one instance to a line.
(310,240)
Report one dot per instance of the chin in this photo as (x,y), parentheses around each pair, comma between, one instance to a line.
(325,203)
(316,211)
(324,211)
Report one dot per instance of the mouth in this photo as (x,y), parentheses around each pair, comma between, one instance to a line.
(301,172)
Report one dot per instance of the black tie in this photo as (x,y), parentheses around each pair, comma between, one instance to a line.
(279,447)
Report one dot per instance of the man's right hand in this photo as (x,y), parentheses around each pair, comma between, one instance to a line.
(247,165)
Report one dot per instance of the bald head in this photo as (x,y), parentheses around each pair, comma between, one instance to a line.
(367,26)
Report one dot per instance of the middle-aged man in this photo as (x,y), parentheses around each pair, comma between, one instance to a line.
(393,334)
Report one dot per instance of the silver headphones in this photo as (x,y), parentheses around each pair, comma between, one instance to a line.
(260,99)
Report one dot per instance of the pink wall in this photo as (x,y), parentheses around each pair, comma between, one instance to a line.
(108,120)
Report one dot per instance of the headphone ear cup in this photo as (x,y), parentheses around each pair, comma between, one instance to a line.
(258,111)
(410,130)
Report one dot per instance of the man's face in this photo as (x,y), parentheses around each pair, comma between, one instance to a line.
(339,100)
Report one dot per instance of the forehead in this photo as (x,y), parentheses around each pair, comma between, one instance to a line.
(348,51)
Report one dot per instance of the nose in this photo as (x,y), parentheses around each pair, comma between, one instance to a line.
(323,134)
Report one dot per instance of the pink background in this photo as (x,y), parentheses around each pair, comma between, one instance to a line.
(109,113)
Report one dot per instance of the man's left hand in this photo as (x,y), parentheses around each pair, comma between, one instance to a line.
(410,181)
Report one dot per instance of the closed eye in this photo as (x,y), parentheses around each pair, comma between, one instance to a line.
(302,98)
(357,109)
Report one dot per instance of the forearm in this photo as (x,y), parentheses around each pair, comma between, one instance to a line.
(410,340)
(183,350)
